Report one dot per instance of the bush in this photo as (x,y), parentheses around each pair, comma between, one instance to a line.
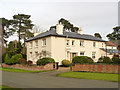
(82,59)
(106,60)
(16,59)
(44,61)
(66,63)
(116,60)
(7,60)
(29,62)
(100,60)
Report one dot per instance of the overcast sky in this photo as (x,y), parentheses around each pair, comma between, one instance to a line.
(93,16)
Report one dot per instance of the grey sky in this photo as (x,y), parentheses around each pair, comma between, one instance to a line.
(91,16)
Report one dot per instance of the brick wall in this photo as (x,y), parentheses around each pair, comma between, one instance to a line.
(31,68)
(103,68)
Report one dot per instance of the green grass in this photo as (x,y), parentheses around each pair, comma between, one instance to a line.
(8,88)
(20,70)
(89,75)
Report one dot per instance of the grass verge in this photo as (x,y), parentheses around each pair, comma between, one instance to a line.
(20,70)
(89,75)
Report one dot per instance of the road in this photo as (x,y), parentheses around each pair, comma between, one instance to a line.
(50,80)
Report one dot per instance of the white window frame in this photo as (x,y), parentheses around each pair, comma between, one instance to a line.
(93,55)
(31,44)
(68,42)
(82,53)
(36,43)
(43,42)
(81,43)
(94,44)
(73,43)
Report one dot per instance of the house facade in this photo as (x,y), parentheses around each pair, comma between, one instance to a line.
(59,44)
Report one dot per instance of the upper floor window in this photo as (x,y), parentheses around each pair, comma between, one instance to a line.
(73,43)
(67,42)
(81,43)
(102,45)
(94,44)
(30,44)
(82,53)
(36,43)
(44,42)
(93,55)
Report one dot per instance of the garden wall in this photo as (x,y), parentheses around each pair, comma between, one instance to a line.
(103,68)
(50,66)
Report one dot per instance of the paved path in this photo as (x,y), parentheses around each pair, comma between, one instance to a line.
(50,80)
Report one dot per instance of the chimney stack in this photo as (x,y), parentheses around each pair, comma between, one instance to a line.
(59,28)
(80,30)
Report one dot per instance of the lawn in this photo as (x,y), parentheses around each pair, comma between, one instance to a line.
(8,88)
(19,70)
(89,75)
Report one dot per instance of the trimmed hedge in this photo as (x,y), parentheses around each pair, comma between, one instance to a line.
(82,59)
(116,60)
(66,63)
(45,60)
(107,60)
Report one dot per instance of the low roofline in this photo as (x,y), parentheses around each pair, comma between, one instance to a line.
(64,36)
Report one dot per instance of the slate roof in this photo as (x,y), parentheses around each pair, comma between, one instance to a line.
(66,34)
(111,51)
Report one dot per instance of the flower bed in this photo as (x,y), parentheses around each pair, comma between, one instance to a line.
(49,66)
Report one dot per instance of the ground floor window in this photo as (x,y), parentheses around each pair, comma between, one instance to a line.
(73,55)
(82,53)
(31,55)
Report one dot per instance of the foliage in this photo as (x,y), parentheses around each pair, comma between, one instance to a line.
(107,60)
(44,61)
(7,60)
(66,63)
(29,62)
(82,59)
(115,35)
(67,26)
(97,35)
(16,59)
(116,60)
(14,49)
(22,24)
(100,60)
(6,28)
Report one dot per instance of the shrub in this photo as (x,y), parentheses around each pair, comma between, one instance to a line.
(82,59)
(44,61)
(116,60)
(100,60)
(29,62)
(66,63)
(106,60)
(16,59)
(7,60)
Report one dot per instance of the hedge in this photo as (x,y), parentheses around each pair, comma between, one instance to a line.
(66,63)
(82,59)
(45,60)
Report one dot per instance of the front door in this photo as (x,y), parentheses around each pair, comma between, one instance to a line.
(72,55)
